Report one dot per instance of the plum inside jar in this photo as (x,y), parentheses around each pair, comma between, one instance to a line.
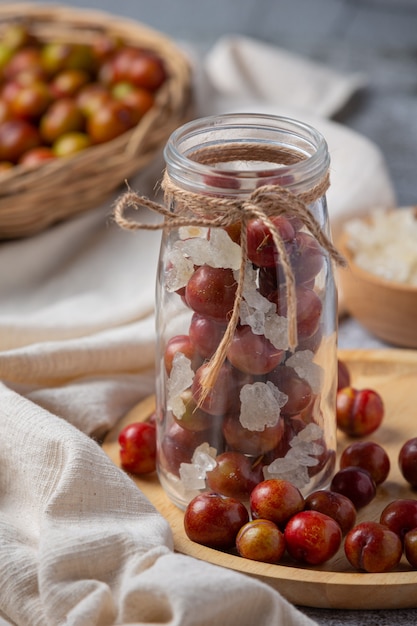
(264,407)
(246,320)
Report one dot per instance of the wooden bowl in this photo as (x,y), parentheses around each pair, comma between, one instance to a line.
(385,308)
(31,199)
(334,584)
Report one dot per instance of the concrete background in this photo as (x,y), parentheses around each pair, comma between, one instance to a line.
(385,23)
(378,37)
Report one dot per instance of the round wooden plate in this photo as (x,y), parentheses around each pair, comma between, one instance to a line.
(393,373)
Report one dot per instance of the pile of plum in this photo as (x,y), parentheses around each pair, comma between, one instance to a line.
(246,455)
(57,98)
(266,412)
(278,520)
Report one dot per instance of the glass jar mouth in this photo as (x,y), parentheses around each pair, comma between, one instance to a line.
(306,158)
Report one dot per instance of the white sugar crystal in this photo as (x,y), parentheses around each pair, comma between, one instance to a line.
(204,456)
(193,475)
(251,294)
(302,362)
(310,433)
(177,406)
(276,330)
(302,454)
(260,314)
(180,269)
(272,326)
(296,474)
(217,251)
(307,457)
(180,379)
(261,405)
(225,252)
(387,245)
(252,317)
(181,374)
(190,477)
(195,248)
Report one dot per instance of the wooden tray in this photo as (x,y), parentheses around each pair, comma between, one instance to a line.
(393,373)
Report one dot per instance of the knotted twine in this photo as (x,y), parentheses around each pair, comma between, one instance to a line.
(185,208)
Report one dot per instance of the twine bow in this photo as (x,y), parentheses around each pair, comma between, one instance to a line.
(194,209)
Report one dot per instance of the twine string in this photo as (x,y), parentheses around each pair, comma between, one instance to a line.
(196,209)
(262,204)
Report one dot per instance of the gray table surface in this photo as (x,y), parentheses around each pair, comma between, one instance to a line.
(378,37)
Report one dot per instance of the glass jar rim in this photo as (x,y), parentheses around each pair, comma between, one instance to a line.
(251,128)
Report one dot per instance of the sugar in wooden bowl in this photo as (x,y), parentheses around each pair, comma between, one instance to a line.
(379,285)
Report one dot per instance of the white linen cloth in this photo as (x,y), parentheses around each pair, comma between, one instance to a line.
(79,543)
(250,76)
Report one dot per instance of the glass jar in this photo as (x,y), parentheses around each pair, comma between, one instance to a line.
(246,309)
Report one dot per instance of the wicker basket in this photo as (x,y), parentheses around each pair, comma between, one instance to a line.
(31,199)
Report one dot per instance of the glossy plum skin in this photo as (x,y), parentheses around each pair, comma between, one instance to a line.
(297,389)
(30,100)
(194,418)
(180,343)
(142,69)
(306,259)
(71,143)
(309,309)
(369,456)
(335,505)
(252,442)
(407,461)
(261,540)
(179,444)
(211,292)
(96,88)
(410,547)
(137,443)
(214,520)
(276,500)
(253,354)
(63,116)
(312,537)
(16,138)
(35,156)
(356,484)
(235,475)
(372,547)
(261,247)
(343,375)
(400,516)
(219,397)
(112,119)
(205,334)
(358,412)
